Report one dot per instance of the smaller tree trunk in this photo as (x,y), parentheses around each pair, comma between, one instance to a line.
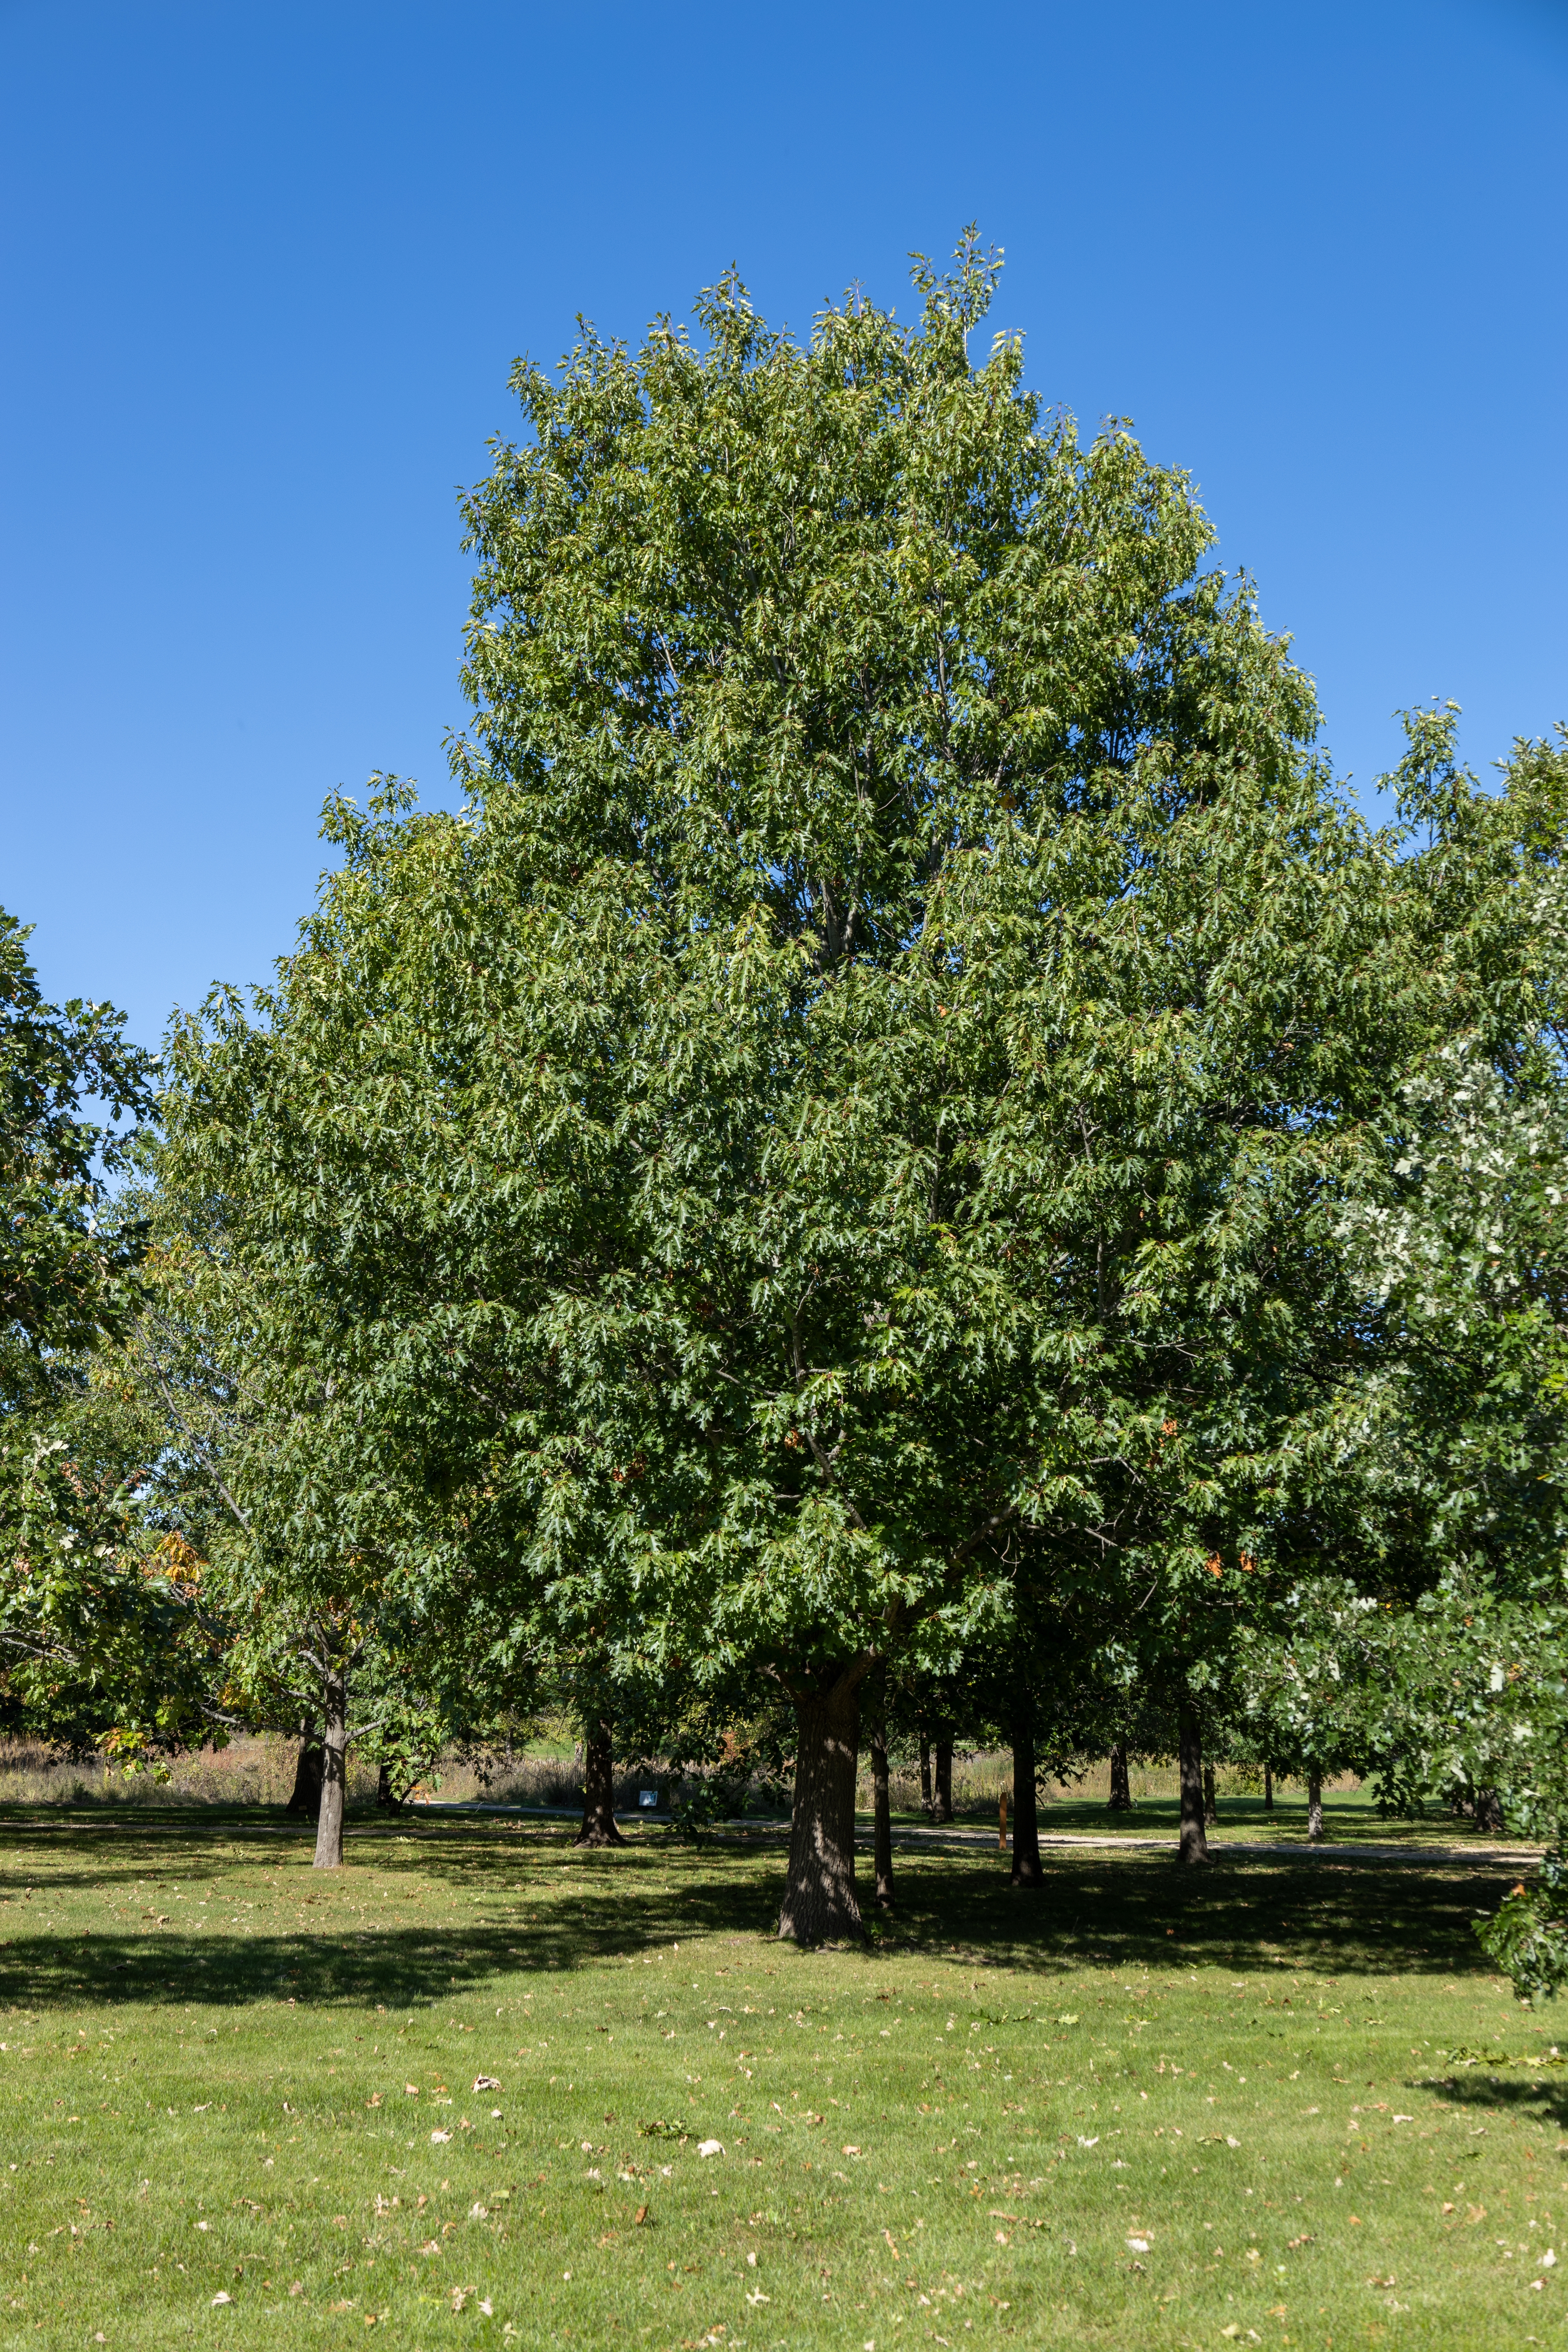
(334,1774)
(1268,1788)
(1195,1845)
(598,1786)
(943,1811)
(881,1811)
(1027,1867)
(927,1801)
(1120,1786)
(1314,1804)
(383,1793)
(1489,1812)
(820,1903)
(1211,1804)
(307,1796)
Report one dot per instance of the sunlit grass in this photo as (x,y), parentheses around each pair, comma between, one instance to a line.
(954,2137)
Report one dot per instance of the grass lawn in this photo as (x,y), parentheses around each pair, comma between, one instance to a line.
(1140,2109)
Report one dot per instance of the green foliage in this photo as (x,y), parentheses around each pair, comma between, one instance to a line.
(826,1134)
(62,1272)
(95,1637)
(1526,1936)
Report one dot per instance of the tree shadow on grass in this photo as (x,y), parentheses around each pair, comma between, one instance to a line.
(1531,2096)
(1144,1911)
(566,1907)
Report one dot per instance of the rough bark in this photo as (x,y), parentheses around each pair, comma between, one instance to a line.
(881,1809)
(927,1801)
(820,1905)
(598,1786)
(1027,1867)
(1268,1788)
(1211,1804)
(385,1797)
(941,1811)
(1195,1844)
(307,1796)
(1489,1812)
(1120,1786)
(1314,1804)
(334,1774)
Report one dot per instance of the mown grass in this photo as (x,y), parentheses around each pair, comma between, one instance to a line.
(954,2138)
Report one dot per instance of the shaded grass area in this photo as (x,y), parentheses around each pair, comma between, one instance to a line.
(1283,2100)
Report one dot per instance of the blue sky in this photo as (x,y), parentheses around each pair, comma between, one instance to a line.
(264,269)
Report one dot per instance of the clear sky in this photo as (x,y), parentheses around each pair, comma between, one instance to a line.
(265,268)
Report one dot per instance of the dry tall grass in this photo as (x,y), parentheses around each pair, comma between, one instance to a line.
(260,1771)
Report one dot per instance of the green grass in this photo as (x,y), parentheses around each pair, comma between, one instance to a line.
(950,2139)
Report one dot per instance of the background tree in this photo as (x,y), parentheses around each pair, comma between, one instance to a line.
(86,1609)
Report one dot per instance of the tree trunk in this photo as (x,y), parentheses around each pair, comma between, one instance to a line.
(1268,1788)
(1121,1787)
(1026,1869)
(1314,1804)
(819,1904)
(383,1796)
(334,1774)
(307,1796)
(1489,1812)
(942,1810)
(1195,1844)
(598,1786)
(1211,1804)
(926,1799)
(881,1802)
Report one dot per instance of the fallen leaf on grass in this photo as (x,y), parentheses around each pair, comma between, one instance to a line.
(487,2082)
(221,2297)
(710,2147)
(438,2139)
